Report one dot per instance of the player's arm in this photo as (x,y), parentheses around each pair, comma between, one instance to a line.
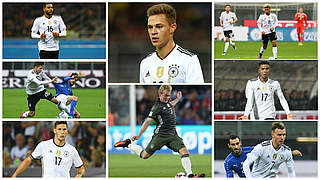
(296,17)
(251,157)
(179,96)
(47,81)
(227,167)
(306,21)
(296,153)
(235,19)
(259,24)
(81,171)
(221,21)
(194,71)
(284,102)
(22,167)
(144,126)
(35,29)
(249,104)
(290,166)
(142,69)
(275,23)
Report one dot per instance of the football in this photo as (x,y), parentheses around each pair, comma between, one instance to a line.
(181,175)
(63,115)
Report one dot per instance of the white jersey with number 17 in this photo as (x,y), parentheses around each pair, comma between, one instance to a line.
(179,66)
(56,160)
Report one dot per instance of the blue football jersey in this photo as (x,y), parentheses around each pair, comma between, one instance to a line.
(64,87)
(234,163)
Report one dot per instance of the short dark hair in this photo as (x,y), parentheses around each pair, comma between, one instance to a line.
(45,5)
(277,125)
(227,5)
(165,9)
(72,74)
(37,64)
(231,137)
(263,62)
(60,122)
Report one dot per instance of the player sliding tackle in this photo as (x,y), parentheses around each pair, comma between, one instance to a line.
(164,115)
(64,94)
(36,80)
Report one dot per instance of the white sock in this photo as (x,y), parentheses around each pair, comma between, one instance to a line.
(63,107)
(262,50)
(135,148)
(275,52)
(226,45)
(231,42)
(25,114)
(186,164)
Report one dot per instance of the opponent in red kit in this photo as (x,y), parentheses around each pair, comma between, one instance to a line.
(301,18)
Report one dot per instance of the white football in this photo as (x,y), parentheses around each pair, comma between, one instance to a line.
(181,175)
(63,115)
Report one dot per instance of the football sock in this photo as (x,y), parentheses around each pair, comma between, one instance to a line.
(231,42)
(262,50)
(26,114)
(136,149)
(301,37)
(226,45)
(186,163)
(63,107)
(275,51)
(73,105)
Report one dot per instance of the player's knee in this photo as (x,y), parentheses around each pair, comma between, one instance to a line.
(184,155)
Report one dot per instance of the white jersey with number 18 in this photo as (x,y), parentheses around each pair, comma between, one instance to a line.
(179,66)
(56,160)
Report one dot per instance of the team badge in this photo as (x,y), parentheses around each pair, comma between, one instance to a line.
(173,70)
(281,157)
(264,88)
(49,22)
(274,156)
(58,152)
(66,153)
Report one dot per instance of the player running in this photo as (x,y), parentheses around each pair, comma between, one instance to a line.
(267,156)
(267,24)
(234,161)
(260,96)
(64,94)
(56,155)
(47,29)
(36,80)
(163,113)
(227,19)
(170,63)
(302,22)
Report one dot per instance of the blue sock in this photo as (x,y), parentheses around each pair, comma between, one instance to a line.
(73,105)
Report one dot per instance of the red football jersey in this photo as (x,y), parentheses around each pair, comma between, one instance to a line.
(301,18)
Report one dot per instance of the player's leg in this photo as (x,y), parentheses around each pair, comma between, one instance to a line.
(298,33)
(138,150)
(32,101)
(54,54)
(273,39)
(44,54)
(301,35)
(226,44)
(232,43)
(264,45)
(73,102)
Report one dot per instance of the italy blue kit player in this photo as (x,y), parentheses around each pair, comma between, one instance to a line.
(234,161)
(65,95)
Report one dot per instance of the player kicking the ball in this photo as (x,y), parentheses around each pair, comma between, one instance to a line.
(36,80)
(47,29)
(170,63)
(56,155)
(165,134)
(64,94)
(267,24)
(267,156)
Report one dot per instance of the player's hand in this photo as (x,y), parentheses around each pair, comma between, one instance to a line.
(296,153)
(271,29)
(43,36)
(55,34)
(263,33)
(243,118)
(221,25)
(290,116)
(231,22)
(179,95)
(78,176)
(134,138)
(54,80)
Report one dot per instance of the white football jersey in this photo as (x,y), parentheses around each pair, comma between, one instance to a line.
(266,161)
(260,99)
(43,24)
(36,82)
(179,66)
(226,18)
(265,22)
(56,160)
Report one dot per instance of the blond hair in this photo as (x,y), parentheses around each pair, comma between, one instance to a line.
(165,9)
(165,87)
(277,125)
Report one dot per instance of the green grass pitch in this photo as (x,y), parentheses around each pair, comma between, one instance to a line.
(250,50)
(91,104)
(158,165)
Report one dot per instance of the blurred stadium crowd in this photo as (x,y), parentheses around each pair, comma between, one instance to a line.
(194,108)
(234,100)
(21,138)
(83,20)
